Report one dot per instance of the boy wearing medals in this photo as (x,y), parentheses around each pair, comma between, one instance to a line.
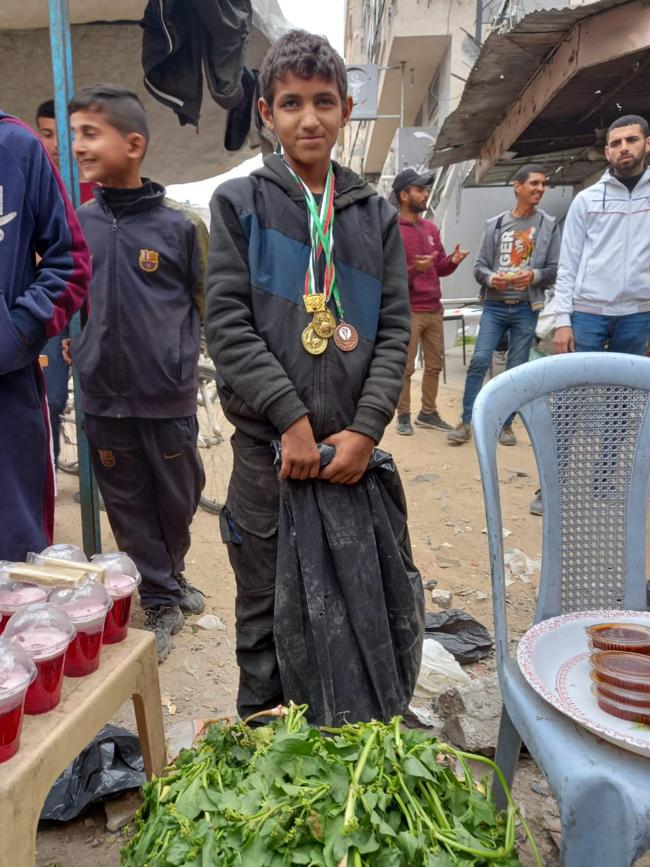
(308,325)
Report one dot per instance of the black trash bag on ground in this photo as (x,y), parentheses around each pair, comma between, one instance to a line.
(349,602)
(459,633)
(111,763)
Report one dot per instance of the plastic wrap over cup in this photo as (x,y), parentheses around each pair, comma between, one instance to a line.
(44,631)
(121,580)
(14,595)
(62,551)
(86,605)
(17,672)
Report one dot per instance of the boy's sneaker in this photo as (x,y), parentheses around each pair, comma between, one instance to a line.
(462,433)
(403,425)
(432,420)
(192,599)
(507,437)
(537,507)
(164,622)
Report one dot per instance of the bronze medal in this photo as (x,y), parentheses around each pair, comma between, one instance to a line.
(346,337)
(314,344)
(324,324)
(315,303)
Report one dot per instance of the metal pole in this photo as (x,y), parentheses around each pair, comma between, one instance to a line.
(61,49)
(401,93)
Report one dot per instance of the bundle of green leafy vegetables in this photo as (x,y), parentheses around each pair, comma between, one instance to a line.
(365,795)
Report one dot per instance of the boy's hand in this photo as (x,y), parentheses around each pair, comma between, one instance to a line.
(353,452)
(300,457)
(523,279)
(65,350)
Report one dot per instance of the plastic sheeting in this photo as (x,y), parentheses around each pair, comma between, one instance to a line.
(349,608)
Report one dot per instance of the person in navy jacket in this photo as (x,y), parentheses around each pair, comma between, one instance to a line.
(36,302)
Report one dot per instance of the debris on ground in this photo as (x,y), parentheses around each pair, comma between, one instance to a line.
(210,621)
(520,565)
(439,670)
(120,811)
(472,712)
(442,598)
(459,633)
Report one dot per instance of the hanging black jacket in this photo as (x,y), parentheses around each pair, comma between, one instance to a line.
(183,37)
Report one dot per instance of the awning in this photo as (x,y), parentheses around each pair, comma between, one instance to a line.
(546,90)
(107,43)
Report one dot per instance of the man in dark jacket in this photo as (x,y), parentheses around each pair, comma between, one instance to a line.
(36,218)
(427,262)
(516,263)
(137,356)
(306,352)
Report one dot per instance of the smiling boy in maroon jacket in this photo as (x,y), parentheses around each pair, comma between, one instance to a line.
(427,262)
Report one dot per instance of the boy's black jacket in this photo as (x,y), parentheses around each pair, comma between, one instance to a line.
(137,355)
(259,248)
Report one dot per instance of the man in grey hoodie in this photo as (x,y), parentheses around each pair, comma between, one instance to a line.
(517,261)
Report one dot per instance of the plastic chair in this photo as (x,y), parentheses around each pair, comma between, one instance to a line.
(588,418)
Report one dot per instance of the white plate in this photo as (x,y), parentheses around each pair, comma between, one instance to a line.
(554,658)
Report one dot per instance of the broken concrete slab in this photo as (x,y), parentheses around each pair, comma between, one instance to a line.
(472,713)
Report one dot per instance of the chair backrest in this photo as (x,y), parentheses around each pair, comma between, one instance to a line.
(588,418)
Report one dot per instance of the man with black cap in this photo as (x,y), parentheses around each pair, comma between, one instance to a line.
(427,262)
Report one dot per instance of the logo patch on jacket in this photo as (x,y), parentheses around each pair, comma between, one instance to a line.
(148,260)
(5,218)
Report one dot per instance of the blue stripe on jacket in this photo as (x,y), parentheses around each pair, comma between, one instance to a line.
(278,265)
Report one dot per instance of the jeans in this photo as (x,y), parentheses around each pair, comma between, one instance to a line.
(498,318)
(622,333)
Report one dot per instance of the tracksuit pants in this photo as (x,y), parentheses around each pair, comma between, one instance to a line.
(249,528)
(151,477)
(26,468)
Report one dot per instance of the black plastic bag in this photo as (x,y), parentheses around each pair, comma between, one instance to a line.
(111,763)
(459,633)
(349,606)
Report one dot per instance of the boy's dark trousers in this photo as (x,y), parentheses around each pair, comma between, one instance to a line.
(249,527)
(151,477)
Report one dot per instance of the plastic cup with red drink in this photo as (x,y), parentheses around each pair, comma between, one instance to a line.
(121,580)
(17,671)
(87,605)
(14,595)
(44,631)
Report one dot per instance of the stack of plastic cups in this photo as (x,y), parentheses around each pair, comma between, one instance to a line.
(121,580)
(17,672)
(44,632)
(87,605)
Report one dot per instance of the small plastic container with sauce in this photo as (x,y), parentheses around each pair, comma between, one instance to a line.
(628,671)
(14,595)
(44,632)
(625,696)
(86,605)
(121,580)
(622,711)
(629,637)
(17,672)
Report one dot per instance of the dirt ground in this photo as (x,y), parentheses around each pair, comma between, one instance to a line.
(446,519)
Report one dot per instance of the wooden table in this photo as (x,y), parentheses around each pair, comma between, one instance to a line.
(50,741)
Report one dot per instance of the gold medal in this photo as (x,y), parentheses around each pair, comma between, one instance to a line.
(324,324)
(315,303)
(314,344)
(346,337)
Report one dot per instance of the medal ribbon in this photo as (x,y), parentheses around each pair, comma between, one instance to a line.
(321,232)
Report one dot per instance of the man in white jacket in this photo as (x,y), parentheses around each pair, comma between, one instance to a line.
(602,291)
